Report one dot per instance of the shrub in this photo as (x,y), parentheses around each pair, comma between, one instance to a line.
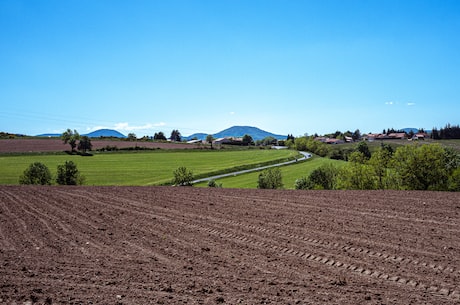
(213,183)
(68,174)
(183,177)
(304,184)
(270,179)
(36,173)
(454,181)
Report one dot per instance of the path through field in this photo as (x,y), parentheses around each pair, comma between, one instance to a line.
(166,245)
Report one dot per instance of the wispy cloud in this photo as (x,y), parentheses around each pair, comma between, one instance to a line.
(410,104)
(126,127)
(389,103)
(232,112)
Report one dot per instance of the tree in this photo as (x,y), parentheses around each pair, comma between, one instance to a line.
(268,141)
(379,162)
(132,137)
(85,144)
(247,140)
(355,176)
(323,177)
(364,149)
(421,167)
(70,137)
(304,183)
(68,174)
(36,173)
(183,177)
(175,135)
(270,179)
(209,139)
(356,135)
(159,136)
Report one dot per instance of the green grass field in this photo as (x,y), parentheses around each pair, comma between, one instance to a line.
(141,168)
(289,174)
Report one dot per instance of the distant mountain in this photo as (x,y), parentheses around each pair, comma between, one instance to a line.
(414,130)
(199,136)
(107,133)
(238,131)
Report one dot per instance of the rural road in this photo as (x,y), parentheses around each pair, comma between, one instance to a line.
(306,156)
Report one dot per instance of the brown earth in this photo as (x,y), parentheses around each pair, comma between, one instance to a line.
(53,145)
(166,245)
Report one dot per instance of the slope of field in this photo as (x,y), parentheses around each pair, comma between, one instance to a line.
(289,174)
(166,245)
(141,168)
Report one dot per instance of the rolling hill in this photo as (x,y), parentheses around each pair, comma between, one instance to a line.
(238,131)
(107,133)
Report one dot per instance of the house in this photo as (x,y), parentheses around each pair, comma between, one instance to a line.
(419,136)
(334,141)
(348,139)
(397,135)
(229,140)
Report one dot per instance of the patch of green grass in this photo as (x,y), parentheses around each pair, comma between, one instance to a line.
(140,168)
(289,174)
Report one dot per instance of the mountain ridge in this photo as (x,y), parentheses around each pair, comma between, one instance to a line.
(238,131)
(108,133)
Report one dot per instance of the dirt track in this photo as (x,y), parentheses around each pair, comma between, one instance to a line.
(165,245)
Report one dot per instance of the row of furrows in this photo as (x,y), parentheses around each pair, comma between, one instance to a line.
(390,214)
(335,245)
(13,208)
(436,290)
(324,243)
(52,223)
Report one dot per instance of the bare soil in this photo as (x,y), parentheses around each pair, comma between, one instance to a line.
(166,245)
(53,145)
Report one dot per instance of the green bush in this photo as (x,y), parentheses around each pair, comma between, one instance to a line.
(36,173)
(303,184)
(270,179)
(213,183)
(183,177)
(68,174)
(454,181)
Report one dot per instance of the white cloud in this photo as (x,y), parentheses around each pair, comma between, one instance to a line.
(389,103)
(125,127)
(410,104)
(232,112)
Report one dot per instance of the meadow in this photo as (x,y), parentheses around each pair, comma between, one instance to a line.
(143,168)
(289,174)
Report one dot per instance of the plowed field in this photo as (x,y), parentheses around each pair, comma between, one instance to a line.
(52,145)
(166,245)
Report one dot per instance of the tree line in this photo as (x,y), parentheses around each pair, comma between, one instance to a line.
(409,167)
(449,132)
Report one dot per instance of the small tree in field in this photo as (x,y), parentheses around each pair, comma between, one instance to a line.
(68,174)
(183,177)
(209,139)
(270,179)
(36,173)
(85,144)
(70,137)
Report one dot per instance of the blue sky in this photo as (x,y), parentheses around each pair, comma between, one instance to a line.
(202,66)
